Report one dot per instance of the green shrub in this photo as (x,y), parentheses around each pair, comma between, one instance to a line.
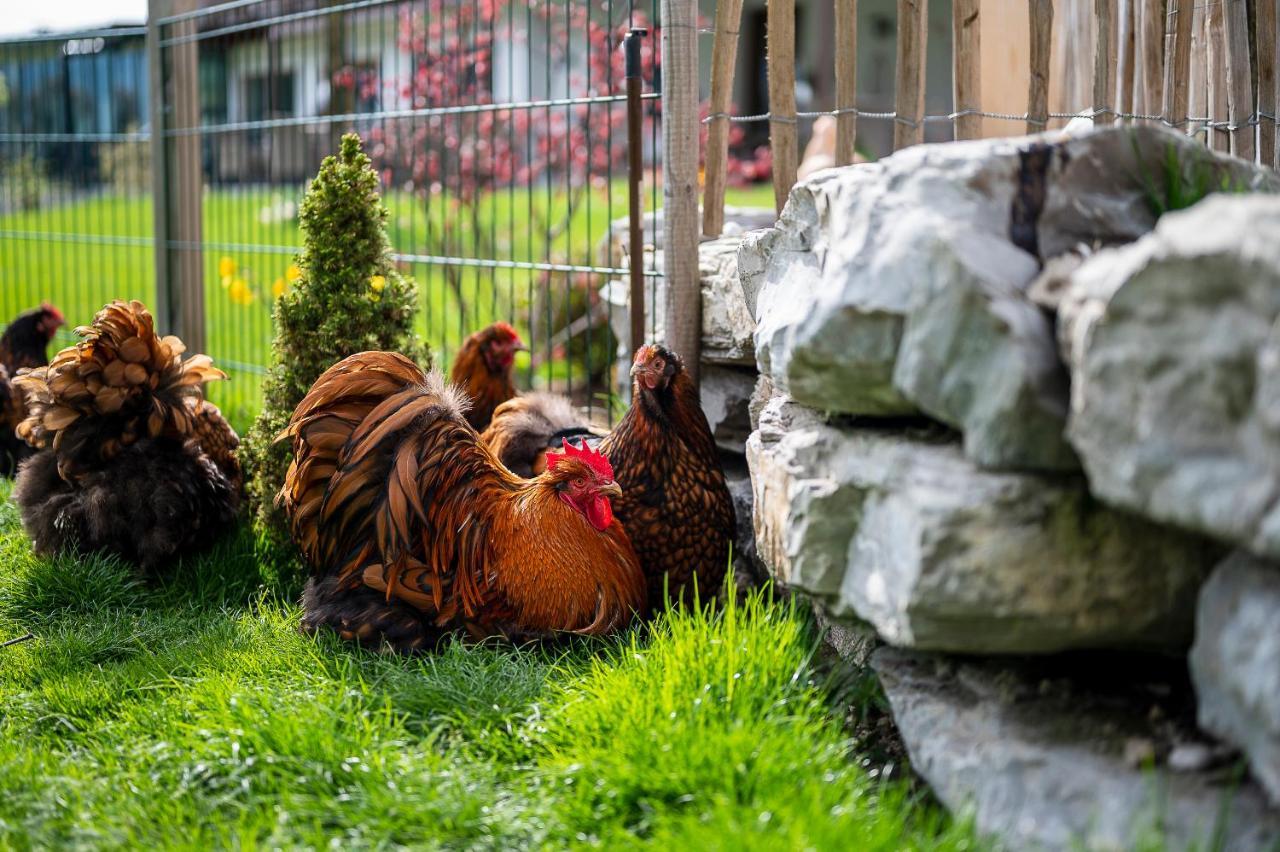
(349,298)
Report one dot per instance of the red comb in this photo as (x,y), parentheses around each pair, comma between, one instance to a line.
(505,329)
(596,461)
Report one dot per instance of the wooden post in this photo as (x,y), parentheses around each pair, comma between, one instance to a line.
(1041,19)
(177,176)
(1239,79)
(1197,98)
(846,80)
(782,98)
(1177,82)
(1124,56)
(724,53)
(680,180)
(1216,69)
(966,46)
(908,129)
(1265,25)
(632,74)
(1153,20)
(1104,66)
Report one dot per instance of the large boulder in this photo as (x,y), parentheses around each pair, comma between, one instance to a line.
(903,531)
(1048,756)
(1235,662)
(1174,348)
(898,287)
(726,397)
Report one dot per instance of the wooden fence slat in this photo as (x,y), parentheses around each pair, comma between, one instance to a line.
(846,37)
(1177,78)
(1239,78)
(1265,26)
(1041,20)
(966,25)
(1197,96)
(683,313)
(1153,47)
(782,97)
(1124,58)
(908,129)
(724,53)
(1216,71)
(1104,66)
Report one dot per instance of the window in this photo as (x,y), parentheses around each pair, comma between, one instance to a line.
(268,97)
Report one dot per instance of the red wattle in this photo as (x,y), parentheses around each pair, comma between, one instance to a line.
(599,512)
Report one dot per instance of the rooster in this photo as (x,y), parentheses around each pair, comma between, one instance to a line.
(25,343)
(482,369)
(524,429)
(130,457)
(675,504)
(414,529)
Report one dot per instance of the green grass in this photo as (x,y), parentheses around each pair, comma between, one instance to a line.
(38,263)
(190,712)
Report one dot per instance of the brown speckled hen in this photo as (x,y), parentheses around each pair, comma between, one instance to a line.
(413,529)
(131,458)
(675,504)
(482,370)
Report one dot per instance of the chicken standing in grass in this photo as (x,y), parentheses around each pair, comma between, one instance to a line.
(414,529)
(482,370)
(130,457)
(675,504)
(25,343)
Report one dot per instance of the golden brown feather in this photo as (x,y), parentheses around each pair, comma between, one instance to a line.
(525,428)
(414,529)
(482,370)
(130,456)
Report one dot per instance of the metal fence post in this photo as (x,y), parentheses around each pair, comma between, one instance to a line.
(680,180)
(176,176)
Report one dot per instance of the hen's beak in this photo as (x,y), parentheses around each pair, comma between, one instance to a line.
(613,490)
(520,347)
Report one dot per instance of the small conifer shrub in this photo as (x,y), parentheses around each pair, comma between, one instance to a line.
(348,298)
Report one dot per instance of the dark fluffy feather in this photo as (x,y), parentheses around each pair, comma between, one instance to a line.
(12,448)
(523,429)
(154,500)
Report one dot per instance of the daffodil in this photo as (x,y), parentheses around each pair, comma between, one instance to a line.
(377,283)
(226,268)
(278,287)
(240,293)
(293,273)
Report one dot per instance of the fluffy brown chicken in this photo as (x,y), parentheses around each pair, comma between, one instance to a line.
(675,504)
(524,429)
(131,458)
(413,528)
(25,343)
(482,370)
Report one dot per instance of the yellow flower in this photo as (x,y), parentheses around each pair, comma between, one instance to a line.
(226,268)
(240,292)
(226,281)
(377,283)
(278,287)
(293,273)
(375,297)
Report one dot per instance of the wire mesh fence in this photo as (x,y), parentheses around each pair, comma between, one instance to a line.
(498,129)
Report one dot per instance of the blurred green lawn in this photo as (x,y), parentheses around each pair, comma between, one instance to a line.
(82,253)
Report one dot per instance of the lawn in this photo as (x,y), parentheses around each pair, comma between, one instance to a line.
(82,253)
(189,712)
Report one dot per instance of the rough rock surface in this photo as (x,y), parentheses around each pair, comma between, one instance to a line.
(726,395)
(1235,662)
(727,325)
(1040,761)
(901,286)
(1174,348)
(906,533)
(747,567)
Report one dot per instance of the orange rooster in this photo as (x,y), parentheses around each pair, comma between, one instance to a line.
(482,370)
(414,529)
(130,457)
(675,504)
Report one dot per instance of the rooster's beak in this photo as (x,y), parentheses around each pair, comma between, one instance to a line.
(613,490)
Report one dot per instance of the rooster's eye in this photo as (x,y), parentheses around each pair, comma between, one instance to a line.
(579,483)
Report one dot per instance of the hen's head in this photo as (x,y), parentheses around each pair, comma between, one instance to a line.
(584,480)
(39,324)
(654,368)
(498,345)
